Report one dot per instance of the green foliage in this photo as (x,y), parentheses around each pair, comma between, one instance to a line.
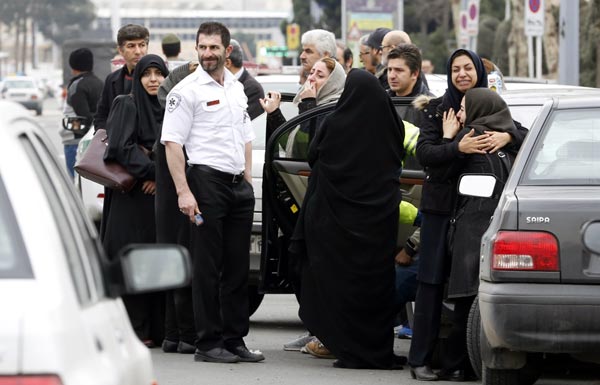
(56,19)
(487,33)
(331,19)
(500,51)
(437,49)
(493,8)
(302,15)
(588,43)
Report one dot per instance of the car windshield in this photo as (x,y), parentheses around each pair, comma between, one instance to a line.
(19,84)
(14,261)
(568,152)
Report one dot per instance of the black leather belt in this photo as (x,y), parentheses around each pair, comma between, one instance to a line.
(224,176)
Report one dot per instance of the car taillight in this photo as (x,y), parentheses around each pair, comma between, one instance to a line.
(30,380)
(34,97)
(525,250)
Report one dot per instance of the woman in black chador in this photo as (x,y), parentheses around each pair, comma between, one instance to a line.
(132,127)
(348,224)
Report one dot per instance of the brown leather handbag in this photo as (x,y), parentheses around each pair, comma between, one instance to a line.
(110,174)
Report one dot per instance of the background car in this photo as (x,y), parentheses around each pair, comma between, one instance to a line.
(62,321)
(23,90)
(539,293)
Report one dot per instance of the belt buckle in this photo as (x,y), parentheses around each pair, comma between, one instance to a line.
(237,178)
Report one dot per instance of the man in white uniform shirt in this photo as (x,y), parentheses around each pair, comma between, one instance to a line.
(206,113)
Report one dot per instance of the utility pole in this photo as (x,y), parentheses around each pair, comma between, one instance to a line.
(568,49)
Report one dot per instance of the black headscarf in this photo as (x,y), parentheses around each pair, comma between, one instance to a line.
(453,95)
(150,113)
(359,142)
(486,110)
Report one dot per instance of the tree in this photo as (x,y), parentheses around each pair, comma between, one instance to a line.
(331,19)
(57,20)
(302,15)
(589,42)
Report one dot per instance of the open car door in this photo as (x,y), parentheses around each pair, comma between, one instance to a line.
(285,180)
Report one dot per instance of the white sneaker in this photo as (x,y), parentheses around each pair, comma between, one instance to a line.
(297,344)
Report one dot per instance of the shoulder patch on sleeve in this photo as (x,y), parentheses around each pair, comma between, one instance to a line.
(173,102)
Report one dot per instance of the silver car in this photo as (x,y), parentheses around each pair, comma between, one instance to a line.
(539,291)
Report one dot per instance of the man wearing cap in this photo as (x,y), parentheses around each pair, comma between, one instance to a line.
(171,47)
(83,93)
(374,44)
(252,88)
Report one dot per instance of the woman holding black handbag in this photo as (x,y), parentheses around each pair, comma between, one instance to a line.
(132,127)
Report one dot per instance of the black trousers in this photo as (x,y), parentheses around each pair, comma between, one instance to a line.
(220,250)
(433,262)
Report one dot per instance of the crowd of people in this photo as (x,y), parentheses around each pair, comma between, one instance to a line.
(185,133)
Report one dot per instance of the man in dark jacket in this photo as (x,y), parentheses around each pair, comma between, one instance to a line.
(132,44)
(83,93)
(405,78)
(252,88)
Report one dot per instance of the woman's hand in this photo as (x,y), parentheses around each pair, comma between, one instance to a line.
(271,102)
(309,91)
(470,144)
(496,140)
(451,125)
(149,187)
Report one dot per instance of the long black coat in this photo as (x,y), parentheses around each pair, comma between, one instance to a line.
(348,224)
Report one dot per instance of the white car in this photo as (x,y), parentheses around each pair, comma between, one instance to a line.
(23,90)
(62,321)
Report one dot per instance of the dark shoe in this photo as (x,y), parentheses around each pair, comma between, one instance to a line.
(169,346)
(218,354)
(457,375)
(423,373)
(149,344)
(400,360)
(246,355)
(184,348)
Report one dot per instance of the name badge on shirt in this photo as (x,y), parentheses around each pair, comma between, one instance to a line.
(213,103)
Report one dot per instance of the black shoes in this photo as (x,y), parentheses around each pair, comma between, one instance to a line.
(246,355)
(423,373)
(218,355)
(185,348)
(458,375)
(182,347)
(169,346)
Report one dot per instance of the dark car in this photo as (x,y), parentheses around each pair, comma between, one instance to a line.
(539,291)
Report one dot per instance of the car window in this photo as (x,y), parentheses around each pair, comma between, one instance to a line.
(14,261)
(525,114)
(19,84)
(80,244)
(568,151)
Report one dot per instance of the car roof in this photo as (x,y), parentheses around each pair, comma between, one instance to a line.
(538,94)
(10,111)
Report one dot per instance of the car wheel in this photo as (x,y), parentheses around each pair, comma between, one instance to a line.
(474,337)
(254,298)
(499,376)
(38,112)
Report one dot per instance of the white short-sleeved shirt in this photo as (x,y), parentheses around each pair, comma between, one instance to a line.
(210,120)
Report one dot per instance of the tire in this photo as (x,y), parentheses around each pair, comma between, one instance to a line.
(254,299)
(474,338)
(499,376)
(38,112)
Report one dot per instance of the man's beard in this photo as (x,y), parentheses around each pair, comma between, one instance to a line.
(212,65)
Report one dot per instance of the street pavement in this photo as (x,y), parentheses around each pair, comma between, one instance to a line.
(275,323)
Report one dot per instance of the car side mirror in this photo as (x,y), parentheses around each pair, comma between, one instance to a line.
(152,267)
(590,234)
(477,185)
